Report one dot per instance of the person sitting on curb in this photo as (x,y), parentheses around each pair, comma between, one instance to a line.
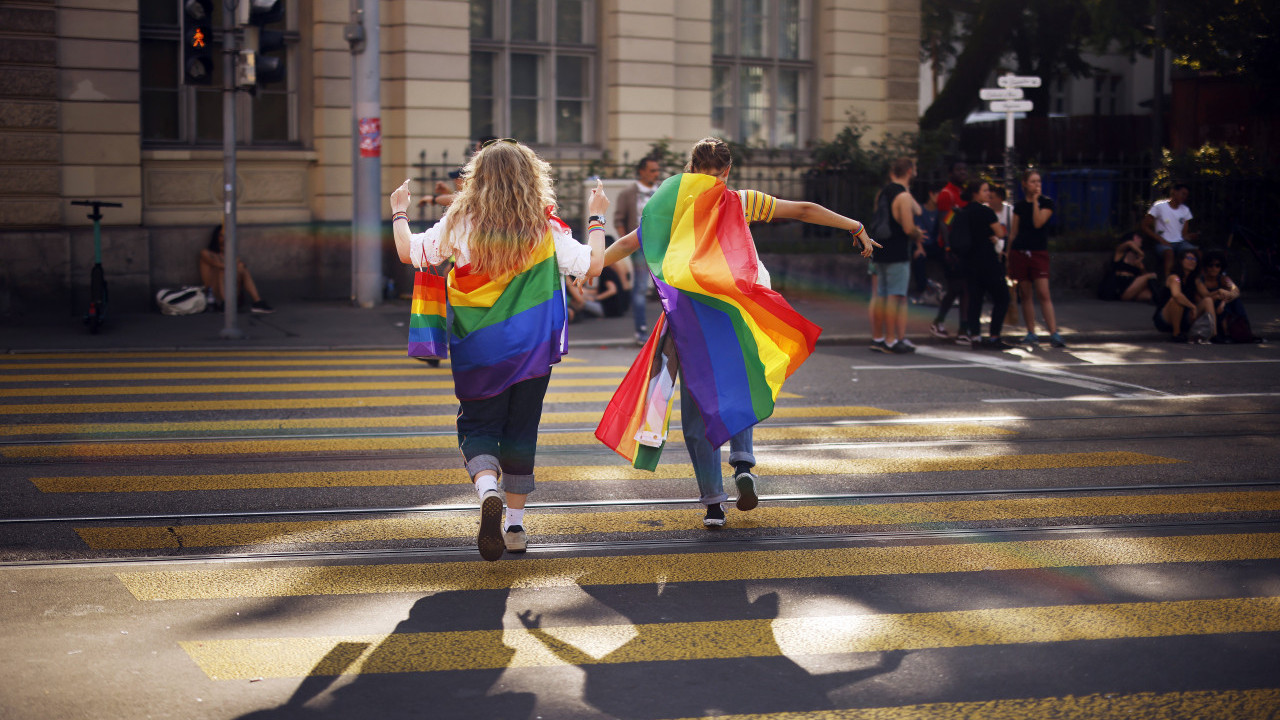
(1126,277)
(213,265)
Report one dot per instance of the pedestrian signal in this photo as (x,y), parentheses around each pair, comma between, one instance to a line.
(197,56)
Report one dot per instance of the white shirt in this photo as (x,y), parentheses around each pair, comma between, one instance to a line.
(643,193)
(1170,221)
(572,257)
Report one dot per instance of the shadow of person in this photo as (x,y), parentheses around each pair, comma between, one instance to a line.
(730,674)
(392,684)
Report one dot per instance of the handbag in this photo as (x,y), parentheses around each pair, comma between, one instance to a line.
(1201,330)
(428,329)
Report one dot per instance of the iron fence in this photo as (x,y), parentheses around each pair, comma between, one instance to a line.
(1095,201)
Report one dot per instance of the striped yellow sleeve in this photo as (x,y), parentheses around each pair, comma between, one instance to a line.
(756,206)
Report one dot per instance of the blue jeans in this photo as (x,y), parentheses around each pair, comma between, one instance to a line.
(705,457)
(639,288)
(500,433)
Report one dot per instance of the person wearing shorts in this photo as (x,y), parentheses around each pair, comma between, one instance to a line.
(893,263)
(1029,259)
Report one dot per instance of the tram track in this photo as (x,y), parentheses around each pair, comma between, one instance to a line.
(706,542)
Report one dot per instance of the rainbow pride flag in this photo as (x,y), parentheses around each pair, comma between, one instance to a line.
(737,341)
(428,337)
(506,332)
(637,418)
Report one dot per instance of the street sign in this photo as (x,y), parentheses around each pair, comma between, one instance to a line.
(1000,93)
(1012,106)
(1018,81)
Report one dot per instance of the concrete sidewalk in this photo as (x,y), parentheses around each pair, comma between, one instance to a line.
(337,325)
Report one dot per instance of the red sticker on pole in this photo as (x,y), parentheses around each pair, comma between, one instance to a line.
(370,137)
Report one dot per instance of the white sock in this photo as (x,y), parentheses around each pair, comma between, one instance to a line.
(514,517)
(877,340)
(486,482)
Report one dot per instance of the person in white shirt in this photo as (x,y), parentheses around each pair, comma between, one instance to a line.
(1166,223)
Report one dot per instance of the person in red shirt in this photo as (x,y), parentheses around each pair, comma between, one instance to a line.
(949,200)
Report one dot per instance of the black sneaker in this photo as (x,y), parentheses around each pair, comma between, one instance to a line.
(991,343)
(261,308)
(902,347)
(715,516)
(490,540)
(880,346)
(746,482)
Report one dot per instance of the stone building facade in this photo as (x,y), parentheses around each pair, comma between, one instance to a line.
(91,108)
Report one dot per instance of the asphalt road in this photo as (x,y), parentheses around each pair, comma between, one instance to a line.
(1088,533)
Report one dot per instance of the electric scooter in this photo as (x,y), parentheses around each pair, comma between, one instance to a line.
(97,279)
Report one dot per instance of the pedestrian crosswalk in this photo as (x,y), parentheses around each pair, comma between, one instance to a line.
(624,590)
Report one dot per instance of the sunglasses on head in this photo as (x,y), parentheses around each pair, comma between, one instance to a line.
(513,141)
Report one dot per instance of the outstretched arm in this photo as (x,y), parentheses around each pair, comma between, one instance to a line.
(817,215)
(622,248)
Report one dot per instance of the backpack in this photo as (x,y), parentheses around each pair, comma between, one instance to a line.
(181,301)
(958,240)
(879,227)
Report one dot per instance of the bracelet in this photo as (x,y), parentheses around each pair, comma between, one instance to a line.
(593,219)
(401,215)
(595,226)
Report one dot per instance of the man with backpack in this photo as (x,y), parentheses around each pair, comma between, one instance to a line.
(894,220)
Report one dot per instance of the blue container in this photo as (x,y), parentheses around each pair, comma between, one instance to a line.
(1083,197)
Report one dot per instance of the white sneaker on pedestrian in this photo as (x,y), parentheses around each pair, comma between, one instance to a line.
(516,540)
(490,540)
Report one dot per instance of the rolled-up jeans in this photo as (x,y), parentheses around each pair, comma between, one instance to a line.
(500,433)
(705,456)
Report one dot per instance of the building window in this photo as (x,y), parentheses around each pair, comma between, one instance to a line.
(177,114)
(533,67)
(761,71)
(1106,94)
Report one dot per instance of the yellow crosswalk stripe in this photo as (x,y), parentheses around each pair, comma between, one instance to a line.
(1257,704)
(773,467)
(762,434)
(535,572)
(240,374)
(242,359)
(205,355)
(381,421)
(775,517)
(285,403)
(353,385)
(242,659)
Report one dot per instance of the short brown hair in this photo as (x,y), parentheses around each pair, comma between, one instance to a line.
(901,166)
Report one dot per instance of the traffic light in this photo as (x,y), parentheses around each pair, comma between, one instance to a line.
(261,63)
(197,36)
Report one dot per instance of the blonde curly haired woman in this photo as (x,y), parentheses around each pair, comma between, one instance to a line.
(507,293)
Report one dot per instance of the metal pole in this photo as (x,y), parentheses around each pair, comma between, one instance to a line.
(366,98)
(1157,94)
(230,278)
(1008,153)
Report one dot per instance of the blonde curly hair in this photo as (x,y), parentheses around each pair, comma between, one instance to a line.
(506,191)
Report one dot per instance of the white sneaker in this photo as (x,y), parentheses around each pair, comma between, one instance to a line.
(490,540)
(516,539)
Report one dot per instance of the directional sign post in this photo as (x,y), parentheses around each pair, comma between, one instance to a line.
(1008,99)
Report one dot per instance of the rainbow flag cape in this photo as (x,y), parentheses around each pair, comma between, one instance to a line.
(506,332)
(636,420)
(737,341)
(428,337)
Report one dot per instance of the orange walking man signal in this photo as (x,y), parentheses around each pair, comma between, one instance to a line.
(197,39)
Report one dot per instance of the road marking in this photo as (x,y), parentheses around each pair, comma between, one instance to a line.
(221,374)
(1084,364)
(1134,398)
(286,403)
(353,385)
(1235,704)
(168,448)
(534,571)
(1040,372)
(84,430)
(556,646)
(773,467)
(451,526)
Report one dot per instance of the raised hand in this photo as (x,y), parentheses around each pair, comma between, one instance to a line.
(599,202)
(400,198)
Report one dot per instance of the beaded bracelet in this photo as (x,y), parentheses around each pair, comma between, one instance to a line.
(401,215)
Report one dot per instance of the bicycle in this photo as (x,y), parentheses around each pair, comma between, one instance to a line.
(97,313)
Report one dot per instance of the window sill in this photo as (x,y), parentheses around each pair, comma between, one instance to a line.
(241,154)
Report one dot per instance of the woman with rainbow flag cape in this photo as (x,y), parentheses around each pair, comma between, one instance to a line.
(508,297)
(726,336)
